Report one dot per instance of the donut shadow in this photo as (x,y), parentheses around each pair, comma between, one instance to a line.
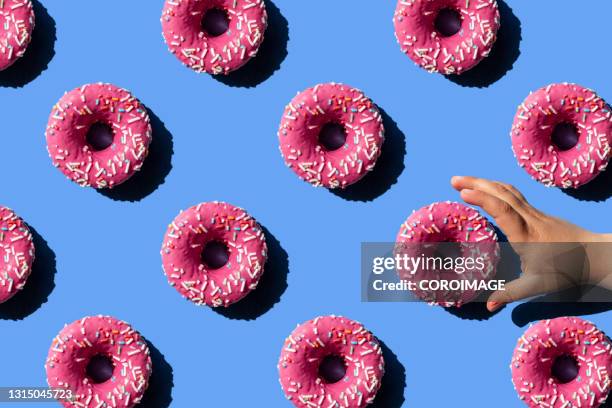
(39,285)
(504,53)
(154,170)
(161,382)
(599,189)
(579,301)
(391,392)
(271,287)
(475,310)
(387,170)
(270,56)
(38,55)
(508,269)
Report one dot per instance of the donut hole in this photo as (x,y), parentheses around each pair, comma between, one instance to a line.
(100,136)
(438,256)
(100,368)
(332,369)
(332,136)
(565,136)
(447,249)
(215,254)
(215,22)
(448,22)
(565,368)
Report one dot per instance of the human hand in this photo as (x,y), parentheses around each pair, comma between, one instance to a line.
(525,226)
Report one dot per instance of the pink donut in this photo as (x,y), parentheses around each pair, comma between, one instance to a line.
(214,36)
(331,135)
(214,254)
(16,26)
(444,222)
(98,135)
(563,362)
(17,254)
(446,36)
(103,361)
(562,134)
(331,361)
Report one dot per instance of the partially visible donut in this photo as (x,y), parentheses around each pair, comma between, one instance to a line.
(562,135)
(103,361)
(563,362)
(98,135)
(214,253)
(331,135)
(331,361)
(16,26)
(446,36)
(16,254)
(214,36)
(436,225)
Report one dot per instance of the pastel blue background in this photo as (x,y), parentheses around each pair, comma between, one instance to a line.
(225,148)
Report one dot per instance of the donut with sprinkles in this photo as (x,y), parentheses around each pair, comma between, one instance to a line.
(214,36)
(331,135)
(17,254)
(16,26)
(214,253)
(331,361)
(427,232)
(562,135)
(102,361)
(563,362)
(446,36)
(98,135)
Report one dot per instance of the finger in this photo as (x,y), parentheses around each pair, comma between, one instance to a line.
(458,182)
(505,216)
(513,190)
(527,286)
(498,189)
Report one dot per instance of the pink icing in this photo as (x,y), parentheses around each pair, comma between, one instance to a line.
(72,117)
(448,222)
(302,121)
(415,31)
(74,346)
(182,31)
(16,26)
(535,121)
(316,339)
(17,254)
(185,240)
(546,340)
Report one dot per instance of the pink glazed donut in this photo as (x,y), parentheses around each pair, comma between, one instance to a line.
(446,36)
(562,134)
(331,361)
(16,26)
(331,135)
(563,362)
(214,254)
(214,36)
(98,135)
(445,222)
(102,361)
(16,252)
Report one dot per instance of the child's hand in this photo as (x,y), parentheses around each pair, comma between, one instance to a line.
(523,223)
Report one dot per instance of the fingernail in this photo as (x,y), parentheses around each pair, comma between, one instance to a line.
(455,179)
(493,306)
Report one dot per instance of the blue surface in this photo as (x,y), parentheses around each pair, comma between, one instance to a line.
(225,148)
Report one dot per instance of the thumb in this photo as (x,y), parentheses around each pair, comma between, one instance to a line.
(525,287)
